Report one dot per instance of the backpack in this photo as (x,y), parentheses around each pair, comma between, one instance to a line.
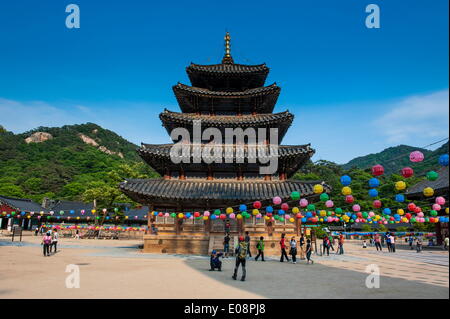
(47,240)
(243,249)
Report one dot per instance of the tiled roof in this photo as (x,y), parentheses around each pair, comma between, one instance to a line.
(70,205)
(22,204)
(264,90)
(148,189)
(228,68)
(228,120)
(438,185)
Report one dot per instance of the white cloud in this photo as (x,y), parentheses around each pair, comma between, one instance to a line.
(416,118)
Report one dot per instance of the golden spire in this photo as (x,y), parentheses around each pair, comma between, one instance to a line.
(227,59)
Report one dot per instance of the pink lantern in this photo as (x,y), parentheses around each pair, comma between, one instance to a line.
(329,203)
(356,208)
(276,200)
(330,219)
(258,216)
(82,212)
(285,206)
(416,156)
(206,213)
(377,203)
(440,200)
(166,215)
(420,215)
(303,202)
(436,207)
(232,216)
(371,214)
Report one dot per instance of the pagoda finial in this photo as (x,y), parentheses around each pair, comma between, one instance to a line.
(227,59)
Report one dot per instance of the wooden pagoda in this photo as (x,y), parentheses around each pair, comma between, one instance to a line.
(225,95)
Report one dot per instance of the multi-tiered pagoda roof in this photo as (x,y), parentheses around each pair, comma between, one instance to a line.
(222,96)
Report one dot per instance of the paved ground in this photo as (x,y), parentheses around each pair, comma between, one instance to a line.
(117,269)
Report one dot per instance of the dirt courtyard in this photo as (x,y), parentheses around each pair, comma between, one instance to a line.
(117,269)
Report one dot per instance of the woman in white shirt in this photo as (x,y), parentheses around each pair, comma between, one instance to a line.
(293,252)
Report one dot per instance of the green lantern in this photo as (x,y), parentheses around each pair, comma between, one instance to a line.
(311,207)
(433,212)
(338,210)
(217,212)
(295,195)
(324,197)
(173,215)
(432,176)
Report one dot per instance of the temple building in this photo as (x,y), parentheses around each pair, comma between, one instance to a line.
(222,96)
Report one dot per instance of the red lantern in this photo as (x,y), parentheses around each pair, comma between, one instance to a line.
(377,170)
(299,215)
(285,206)
(417,210)
(408,215)
(257,205)
(411,207)
(349,199)
(160,214)
(196,214)
(359,214)
(377,203)
(223,216)
(407,172)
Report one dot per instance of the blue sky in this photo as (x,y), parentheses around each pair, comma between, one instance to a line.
(353,90)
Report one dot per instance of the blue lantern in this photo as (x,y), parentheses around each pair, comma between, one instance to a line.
(22,213)
(269,209)
(309,214)
(346,180)
(242,207)
(400,198)
(387,211)
(72,212)
(281,212)
(304,219)
(212,216)
(443,159)
(374,182)
(373,192)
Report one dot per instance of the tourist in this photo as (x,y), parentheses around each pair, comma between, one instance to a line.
(411,240)
(283,249)
(392,242)
(341,244)
(388,241)
(331,242)
(247,240)
(46,242)
(36,231)
(55,237)
(215,261)
(241,254)
(302,243)
(446,242)
(308,252)
(293,250)
(419,244)
(226,244)
(364,244)
(227,226)
(77,234)
(260,247)
(326,245)
(378,242)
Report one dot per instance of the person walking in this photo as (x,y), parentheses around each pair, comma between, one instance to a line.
(293,251)
(411,241)
(247,240)
(227,226)
(241,255)
(226,245)
(308,252)
(36,231)
(55,237)
(302,244)
(326,245)
(388,241)
(46,242)
(260,247)
(341,244)
(392,241)
(446,242)
(377,240)
(419,244)
(283,249)
(331,242)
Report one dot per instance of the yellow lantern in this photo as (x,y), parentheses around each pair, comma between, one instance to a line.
(28,216)
(229,210)
(266,217)
(180,215)
(346,190)
(446,210)
(126,217)
(291,220)
(295,210)
(255,212)
(318,189)
(93,211)
(428,192)
(400,211)
(400,185)
(239,216)
(323,213)
(78,217)
(205,217)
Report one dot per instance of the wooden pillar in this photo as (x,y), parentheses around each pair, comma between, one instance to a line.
(178,221)
(210,174)
(182,176)
(167,174)
(150,216)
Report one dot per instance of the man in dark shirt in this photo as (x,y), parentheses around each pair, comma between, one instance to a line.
(226,244)
(247,240)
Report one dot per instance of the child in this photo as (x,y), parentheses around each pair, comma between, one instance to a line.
(215,261)
(308,252)
(364,244)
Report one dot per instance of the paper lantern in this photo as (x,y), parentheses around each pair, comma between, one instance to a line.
(232,215)
(284,206)
(196,214)
(373,192)
(349,199)
(346,180)
(223,216)
(255,212)
(269,209)
(399,198)
(303,202)
(257,205)
(411,207)
(329,203)
(443,160)
(436,207)
(387,211)
(401,212)
(377,170)
(440,200)
(229,210)
(377,204)
(239,216)
(180,215)
(295,210)
(407,172)
(338,210)
(324,197)
(311,207)
(291,220)
(318,189)
(416,156)
(295,195)
(242,207)
(374,182)
(433,213)
(356,208)
(428,192)
(346,190)
(400,185)
(417,209)
(276,200)
(432,176)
